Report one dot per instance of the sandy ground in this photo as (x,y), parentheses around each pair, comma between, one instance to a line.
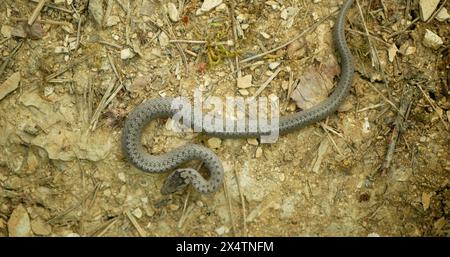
(73,80)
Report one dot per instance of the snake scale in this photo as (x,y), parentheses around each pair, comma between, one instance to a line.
(152,109)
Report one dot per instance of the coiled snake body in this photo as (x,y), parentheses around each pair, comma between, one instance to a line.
(161,108)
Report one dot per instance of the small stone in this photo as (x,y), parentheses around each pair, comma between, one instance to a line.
(392,52)
(443,15)
(259,152)
(214,142)
(222,230)
(265,35)
(40,227)
(173,207)
(208,5)
(6,31)
(423,139)
(126,54)
(137,213)
(72,235)
(199,203)
(112,21)
(252,141)
(48,91)
(122,177)
(426,199)
(163,39)
(427,7)
(244,92)
(288,12)
(96,10)
(274,65)
(432,40)
(245,81)
(11,84)
(373,235)
(173,12)
(19,223)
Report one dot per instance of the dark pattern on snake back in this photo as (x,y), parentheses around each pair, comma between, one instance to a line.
(161,108)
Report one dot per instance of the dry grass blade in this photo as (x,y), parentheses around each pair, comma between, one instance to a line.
(311,28)
(136,225)
(36,12)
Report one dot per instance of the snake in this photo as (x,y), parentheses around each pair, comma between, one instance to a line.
(160,108)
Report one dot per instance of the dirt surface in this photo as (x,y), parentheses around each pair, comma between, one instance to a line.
(73,76)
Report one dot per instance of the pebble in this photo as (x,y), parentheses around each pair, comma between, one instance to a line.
(252,141)
(443,15)
(112,21)
(427,8)
(122,177)
(6,31)
(208,5)
(19,223)
(173,12)
(163,39)
(199,203)
(126,54)
(244,92)
(137,213)
(274,65)
(259,152)
(245,81)
(265,35)
(222,230)
(214,142)
(40,227)
(11,84)
(96,10)
(432,40)
(392,52)
(173,207)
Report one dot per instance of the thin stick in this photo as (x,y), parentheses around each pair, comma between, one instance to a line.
(242,200)
(52,6)
(401,117)
(10,56)
(136,225)
(384,97)
(51,22)
(403,30)
(433,105)
(127,26)
(4,40)
(290,41)
(186,41)
(331,139)
(113,66)
(230,213)
(372,36)
(70,66)
(437,11)
(78,32)
(36,12)
(106,228)
(235,36)
(373,50)
(109,44)
(183,212)
(266,83)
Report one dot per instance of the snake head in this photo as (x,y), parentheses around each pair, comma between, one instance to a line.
(176,181)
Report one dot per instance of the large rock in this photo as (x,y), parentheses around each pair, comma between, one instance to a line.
(11,84)
(65,145)
(427,7)
(19,223)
